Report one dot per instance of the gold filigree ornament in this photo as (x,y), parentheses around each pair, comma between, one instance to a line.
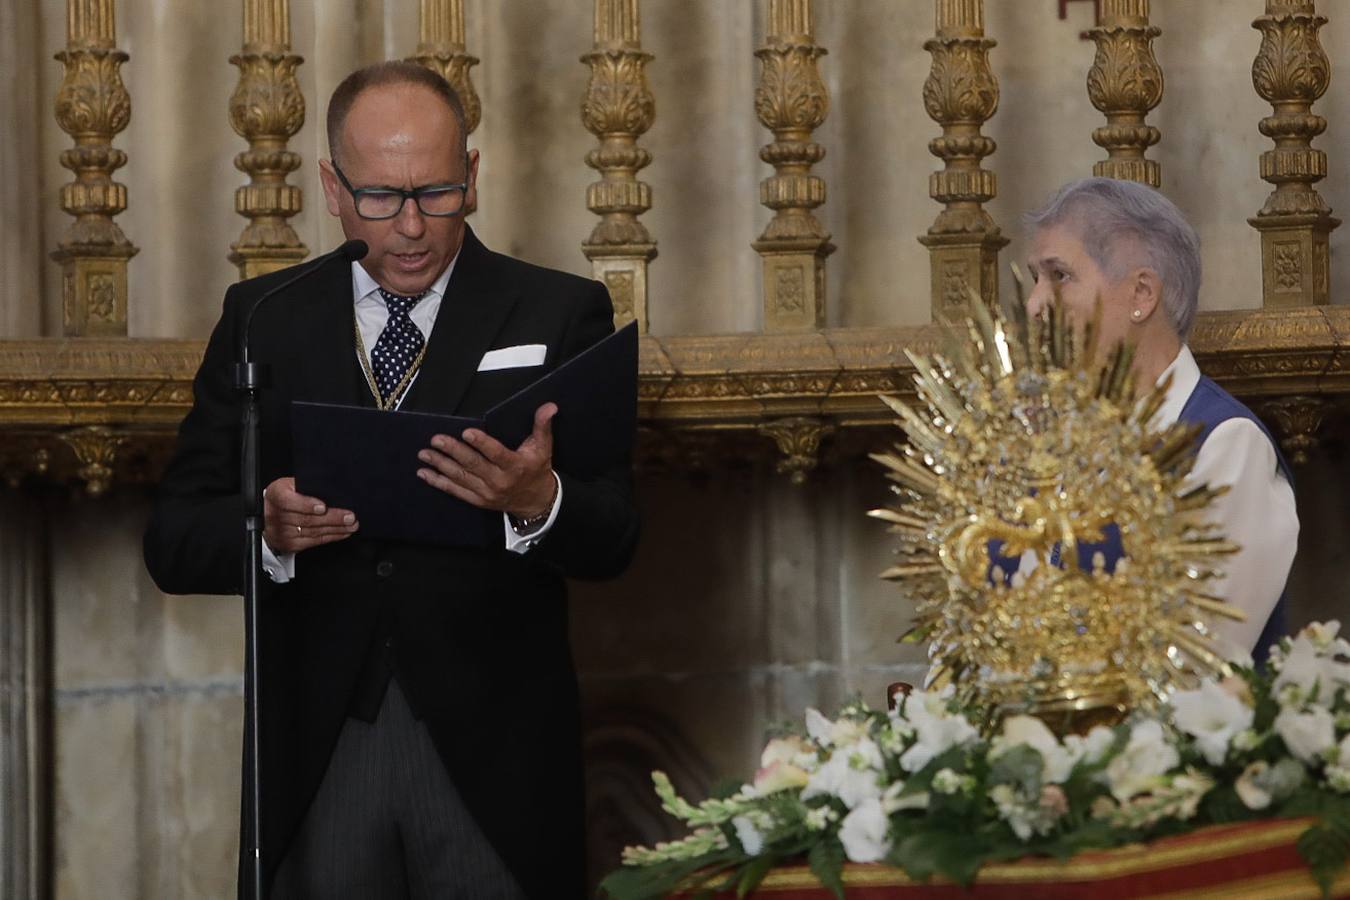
(1024,434)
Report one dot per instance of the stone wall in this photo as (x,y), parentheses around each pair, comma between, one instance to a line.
(750,598)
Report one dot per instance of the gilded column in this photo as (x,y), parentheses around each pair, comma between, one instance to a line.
(92,106)
(267,109)
(791,101)
(1125,83)
(1291,72)
(442,49)
(961,94)
(618,109)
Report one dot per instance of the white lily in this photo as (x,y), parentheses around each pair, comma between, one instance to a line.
(1213,716)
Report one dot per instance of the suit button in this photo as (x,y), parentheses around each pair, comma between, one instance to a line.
(384,569)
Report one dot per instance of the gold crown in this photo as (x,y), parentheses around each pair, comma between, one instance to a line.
(1023,434)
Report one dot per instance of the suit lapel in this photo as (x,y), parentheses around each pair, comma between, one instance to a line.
(324,322)
(473,311)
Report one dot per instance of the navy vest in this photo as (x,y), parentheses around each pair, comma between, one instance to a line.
(1208,406)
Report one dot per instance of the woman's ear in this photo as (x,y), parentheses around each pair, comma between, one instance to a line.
(1147,294)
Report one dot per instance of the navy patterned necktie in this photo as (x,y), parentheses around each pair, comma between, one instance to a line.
(397,347)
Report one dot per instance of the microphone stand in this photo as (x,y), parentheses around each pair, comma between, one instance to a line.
(250,378)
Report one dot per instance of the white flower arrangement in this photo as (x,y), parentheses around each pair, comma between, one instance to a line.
(922,788)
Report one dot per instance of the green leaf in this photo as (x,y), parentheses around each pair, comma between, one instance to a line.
(1336,816)
(921,854)
(752,874)
(652,882)
(1223,805)
(725,789)
(1324,853)
(1021,766)
(960,860)
(827,864)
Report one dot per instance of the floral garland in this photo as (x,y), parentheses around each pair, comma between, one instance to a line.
(920,787)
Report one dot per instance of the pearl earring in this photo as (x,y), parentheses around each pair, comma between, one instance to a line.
(1137,313)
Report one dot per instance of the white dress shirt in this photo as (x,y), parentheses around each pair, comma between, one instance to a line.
(1257,513)
(371,317)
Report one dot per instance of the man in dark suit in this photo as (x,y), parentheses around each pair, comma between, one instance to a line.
(420,713)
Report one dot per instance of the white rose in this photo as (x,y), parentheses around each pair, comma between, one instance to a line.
(863,833)
(1212,716)
(779,767)
(751,838)
(778,777)
(1308,735)
(1140,766)
(783,750)
(1057,760)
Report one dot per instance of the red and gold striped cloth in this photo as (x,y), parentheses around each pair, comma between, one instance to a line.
(1249,861)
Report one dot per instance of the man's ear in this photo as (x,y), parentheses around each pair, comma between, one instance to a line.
(1147,294)
(332,188)
(471,192)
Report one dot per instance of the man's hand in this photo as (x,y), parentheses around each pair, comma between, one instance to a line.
(481,471)
(293,522)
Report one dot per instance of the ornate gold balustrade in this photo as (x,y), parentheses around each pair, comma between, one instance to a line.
(96,408)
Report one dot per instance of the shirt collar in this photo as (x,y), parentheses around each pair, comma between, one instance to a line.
(1185,376)
(364,286)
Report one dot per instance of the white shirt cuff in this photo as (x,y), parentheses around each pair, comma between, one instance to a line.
(522,543)
(279,567)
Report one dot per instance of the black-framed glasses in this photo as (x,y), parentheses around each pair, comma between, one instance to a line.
(440,200)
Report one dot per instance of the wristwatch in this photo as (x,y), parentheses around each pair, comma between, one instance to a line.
(526,525)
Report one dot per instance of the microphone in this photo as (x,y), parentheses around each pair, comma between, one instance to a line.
(349,252)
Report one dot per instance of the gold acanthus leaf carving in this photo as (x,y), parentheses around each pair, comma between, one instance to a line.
(618,100)
(454,65)
(791,94)
(92,101)
(267,102)
(1291,64)
(1125,75)
(961,86)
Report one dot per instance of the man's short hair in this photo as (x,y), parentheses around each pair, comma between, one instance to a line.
(392,72)
(1124,225)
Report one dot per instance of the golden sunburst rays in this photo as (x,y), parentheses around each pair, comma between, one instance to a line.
(1027,456)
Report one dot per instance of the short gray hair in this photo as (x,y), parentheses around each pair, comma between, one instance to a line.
(1103,211)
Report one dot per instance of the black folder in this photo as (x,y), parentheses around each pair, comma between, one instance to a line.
(365,460)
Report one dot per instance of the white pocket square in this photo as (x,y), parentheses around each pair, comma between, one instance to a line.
(517,357)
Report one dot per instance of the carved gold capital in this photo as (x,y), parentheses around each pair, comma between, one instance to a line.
(961,94)
(442,49)
(1125,83)
(1296,421)
(791,101)
(1291,72)
(267,108)
(618,108)
(95,449)
(798,439)
(93,106)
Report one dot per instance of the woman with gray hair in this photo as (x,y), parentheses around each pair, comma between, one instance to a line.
(1130,246)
